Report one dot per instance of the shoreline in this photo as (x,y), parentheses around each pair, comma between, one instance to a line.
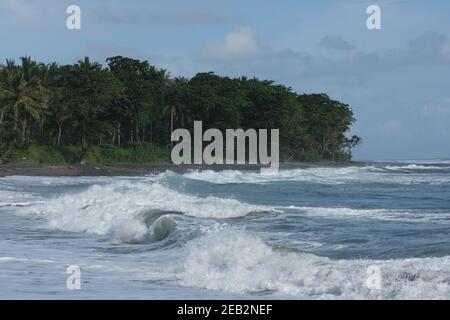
(31,168)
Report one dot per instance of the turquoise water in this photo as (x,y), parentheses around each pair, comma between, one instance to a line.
(299,234)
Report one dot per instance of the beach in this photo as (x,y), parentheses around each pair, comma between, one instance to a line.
(32,168)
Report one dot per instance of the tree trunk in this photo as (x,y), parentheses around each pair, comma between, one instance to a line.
(16,117)
(118,133)
(58,142)
(143,134)
(151,132)
(132,136)
(4,156)
(24,129)
(1,118)
(137,134)
(15,125)
(172,111)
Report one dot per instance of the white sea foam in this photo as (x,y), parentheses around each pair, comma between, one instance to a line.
(235,261)
(428,161)
(16,259)
(416,167)
(12,198)
(321,175)
(327,175)
(378,214)
(118,208)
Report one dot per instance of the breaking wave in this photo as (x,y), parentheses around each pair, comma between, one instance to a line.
(332,175)
(231,260)
(122,209)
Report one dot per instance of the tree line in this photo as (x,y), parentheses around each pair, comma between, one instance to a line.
(129,102)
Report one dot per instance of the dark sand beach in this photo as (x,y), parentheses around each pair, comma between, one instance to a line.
(31,168)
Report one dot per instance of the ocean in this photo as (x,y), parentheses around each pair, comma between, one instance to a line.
(379,230)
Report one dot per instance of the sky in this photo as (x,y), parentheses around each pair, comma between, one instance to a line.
(396,79)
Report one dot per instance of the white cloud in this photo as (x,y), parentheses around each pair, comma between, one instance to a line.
(238,45)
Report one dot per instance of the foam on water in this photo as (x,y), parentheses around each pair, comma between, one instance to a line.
(378,214)
(119,209)
(231,260)
(329,175)
(321,175)
(238,257)
(416,167)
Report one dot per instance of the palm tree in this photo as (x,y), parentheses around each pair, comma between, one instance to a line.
(9,81)
(176,107)
(22,93)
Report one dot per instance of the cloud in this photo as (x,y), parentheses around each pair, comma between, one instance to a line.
(429,40)
(336,43)
(145,17)
(238,46)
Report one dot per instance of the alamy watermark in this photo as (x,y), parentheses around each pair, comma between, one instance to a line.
(235,151)
(374,20)
(374,277)
(73,281)
(73,22)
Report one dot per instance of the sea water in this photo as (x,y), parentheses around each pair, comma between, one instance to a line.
(310,233)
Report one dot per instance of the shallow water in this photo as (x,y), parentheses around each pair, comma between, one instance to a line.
(301,233)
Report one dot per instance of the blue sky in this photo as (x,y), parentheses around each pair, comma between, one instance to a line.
(397,79)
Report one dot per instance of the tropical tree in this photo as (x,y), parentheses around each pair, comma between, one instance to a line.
(23,94)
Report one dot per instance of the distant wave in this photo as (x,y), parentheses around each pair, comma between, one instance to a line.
(329,175)
(404,215)
(322,174)
(234,261)
(417,167)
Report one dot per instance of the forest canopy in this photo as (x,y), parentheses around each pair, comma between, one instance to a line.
(128,102)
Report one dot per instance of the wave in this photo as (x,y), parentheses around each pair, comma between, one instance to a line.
(231,260)
(323,174)
(416,167)
(404,215)
(331,175)
(137,232)
(122,209)
(429,161)
(17,204)
(16,259)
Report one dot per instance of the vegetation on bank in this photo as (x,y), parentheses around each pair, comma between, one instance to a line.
(96,155)
(125,111)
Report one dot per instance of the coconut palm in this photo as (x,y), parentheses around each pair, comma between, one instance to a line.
(22,93)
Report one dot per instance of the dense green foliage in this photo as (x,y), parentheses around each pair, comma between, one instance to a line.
(125,112)
(101,155)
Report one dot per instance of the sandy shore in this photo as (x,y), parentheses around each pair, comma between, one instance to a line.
(30,168)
